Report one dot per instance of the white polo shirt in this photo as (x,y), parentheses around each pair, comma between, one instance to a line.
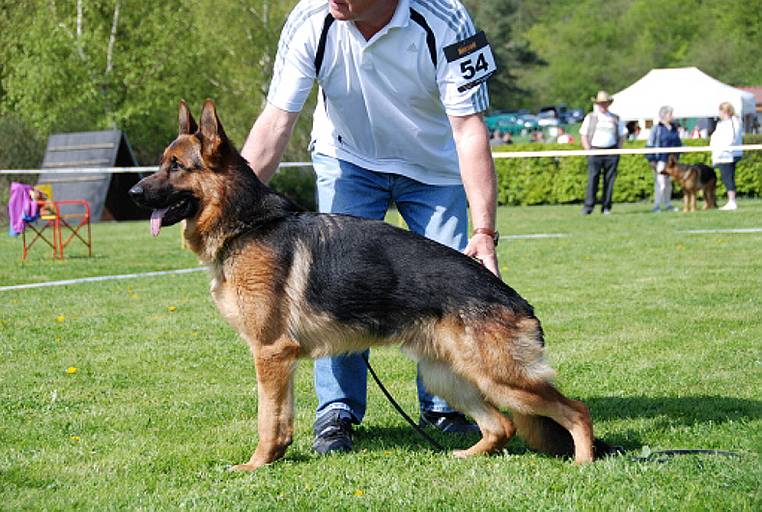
(383,103)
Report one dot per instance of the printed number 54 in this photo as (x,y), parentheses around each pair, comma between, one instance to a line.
(469,70)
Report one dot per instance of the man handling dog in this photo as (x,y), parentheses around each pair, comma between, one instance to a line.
(398,119)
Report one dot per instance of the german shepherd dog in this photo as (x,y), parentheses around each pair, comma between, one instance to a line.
(300,284)
(692,178)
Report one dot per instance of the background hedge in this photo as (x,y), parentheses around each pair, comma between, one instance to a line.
(528,181)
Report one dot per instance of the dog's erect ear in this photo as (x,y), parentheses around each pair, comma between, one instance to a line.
(210,126)
(671,160)
(186,123)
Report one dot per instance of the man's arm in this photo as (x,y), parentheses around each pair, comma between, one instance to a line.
(267,140)
(477,170)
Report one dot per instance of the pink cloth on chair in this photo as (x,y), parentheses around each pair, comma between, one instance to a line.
(21,208)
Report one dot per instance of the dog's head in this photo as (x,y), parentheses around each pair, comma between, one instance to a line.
(189,168)
(672,168)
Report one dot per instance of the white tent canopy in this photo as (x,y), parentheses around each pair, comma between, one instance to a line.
(689,91)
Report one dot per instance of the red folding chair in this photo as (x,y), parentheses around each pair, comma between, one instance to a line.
(53,222)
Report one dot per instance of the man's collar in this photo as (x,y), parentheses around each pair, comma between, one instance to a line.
(401,15)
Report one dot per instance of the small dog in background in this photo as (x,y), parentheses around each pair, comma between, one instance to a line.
(692,178)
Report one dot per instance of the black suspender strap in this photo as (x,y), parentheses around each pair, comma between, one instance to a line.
(321,43)
(430,41)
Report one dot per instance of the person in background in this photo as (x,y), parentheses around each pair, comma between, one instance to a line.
(497,138)
(728,132)
(663,135)
(507,138)
(563,137)
(601,129)
(633,130)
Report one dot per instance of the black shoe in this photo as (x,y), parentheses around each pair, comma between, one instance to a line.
(448,422)
(602,449)
(333,433)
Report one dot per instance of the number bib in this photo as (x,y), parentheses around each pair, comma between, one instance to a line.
(470,62)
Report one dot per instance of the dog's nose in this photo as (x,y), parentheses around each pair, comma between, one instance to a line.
(136,192)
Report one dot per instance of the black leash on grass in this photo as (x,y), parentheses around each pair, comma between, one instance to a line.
(431,440)
(666,455)
(657,456)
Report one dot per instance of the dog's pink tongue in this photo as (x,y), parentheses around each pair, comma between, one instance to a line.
(156,216)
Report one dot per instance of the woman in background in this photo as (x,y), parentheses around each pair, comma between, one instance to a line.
(663,135)
(728,132)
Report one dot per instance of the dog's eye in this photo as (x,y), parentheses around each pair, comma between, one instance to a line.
(175,165)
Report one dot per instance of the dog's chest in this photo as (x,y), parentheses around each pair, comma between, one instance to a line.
(225,297)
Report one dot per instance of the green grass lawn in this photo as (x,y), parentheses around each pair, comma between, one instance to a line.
(658,330)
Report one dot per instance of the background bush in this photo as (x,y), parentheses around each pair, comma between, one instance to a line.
(298,184)
(20,148)
(529,181)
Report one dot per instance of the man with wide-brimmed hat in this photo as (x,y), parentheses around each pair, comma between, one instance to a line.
(601,129)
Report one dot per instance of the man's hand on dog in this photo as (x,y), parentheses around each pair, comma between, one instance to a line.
(482,248)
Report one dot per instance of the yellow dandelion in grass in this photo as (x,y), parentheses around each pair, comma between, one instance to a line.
(680,247)
(134,296)
(71,370)
(359,492)
(171,309)
(74,438)
(60,318)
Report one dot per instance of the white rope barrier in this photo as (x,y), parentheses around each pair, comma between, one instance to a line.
(499,154)
(98,279)
(115,170)
(623,151)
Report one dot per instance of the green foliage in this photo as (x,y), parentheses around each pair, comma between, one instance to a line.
(502,20)
(298,184)
(57,78)
(608,44)
(20,148)
(530,181)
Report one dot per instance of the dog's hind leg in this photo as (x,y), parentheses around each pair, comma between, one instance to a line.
(495,427)
(276,366)
(542,399)
(710,199)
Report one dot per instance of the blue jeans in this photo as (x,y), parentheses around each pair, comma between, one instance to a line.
(436,212)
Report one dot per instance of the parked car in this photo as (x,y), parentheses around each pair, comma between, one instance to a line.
(547,118)
(503,121)
(576,115)
(528,122)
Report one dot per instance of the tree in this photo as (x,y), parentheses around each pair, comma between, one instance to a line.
(499,19)
(98,64)
(596,44)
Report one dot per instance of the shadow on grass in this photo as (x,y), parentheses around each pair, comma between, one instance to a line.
(387,438)
(686,410)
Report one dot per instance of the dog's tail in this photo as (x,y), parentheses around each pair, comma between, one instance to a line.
(544,435)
